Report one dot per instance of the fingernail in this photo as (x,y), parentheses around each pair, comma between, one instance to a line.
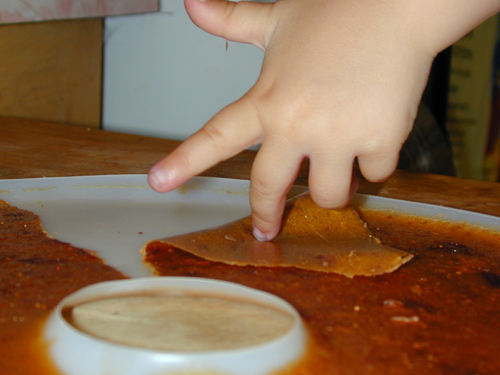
(159,177)
(258,234)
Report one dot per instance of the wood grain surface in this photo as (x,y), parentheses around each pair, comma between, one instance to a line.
(40,149)
(52,71)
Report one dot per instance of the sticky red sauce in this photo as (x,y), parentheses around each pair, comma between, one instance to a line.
(438,314)
(36,272)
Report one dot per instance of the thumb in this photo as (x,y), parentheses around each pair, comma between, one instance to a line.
(244,22)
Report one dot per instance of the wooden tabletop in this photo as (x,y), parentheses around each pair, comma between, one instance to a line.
(39,149)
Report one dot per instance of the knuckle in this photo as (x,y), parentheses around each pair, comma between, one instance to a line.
(261,188)
(229,10)
(214,134)
(276,99)
(375,143)
(261,220)
(267,215)
(231,16)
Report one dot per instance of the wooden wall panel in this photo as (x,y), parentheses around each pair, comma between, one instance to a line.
(52,71)
(15,11)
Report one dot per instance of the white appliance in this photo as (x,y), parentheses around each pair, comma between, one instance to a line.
(165,77)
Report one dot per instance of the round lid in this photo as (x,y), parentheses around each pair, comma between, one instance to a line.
(173,325)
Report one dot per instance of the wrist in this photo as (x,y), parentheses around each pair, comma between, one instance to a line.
(437,24)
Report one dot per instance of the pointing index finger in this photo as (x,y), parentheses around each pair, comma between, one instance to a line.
(233,129)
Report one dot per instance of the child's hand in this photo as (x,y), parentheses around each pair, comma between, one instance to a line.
(341,80)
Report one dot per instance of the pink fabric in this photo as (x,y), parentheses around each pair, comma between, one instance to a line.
(12,11)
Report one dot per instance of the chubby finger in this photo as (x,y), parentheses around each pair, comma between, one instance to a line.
(245,22)
(331,179)
(273,173)
(233,129)
(380,166)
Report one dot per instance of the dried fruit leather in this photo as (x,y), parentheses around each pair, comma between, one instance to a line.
(311,238)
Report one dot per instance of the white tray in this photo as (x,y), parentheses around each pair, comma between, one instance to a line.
(116,215)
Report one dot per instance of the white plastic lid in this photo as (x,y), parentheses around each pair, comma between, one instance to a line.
(79,353)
